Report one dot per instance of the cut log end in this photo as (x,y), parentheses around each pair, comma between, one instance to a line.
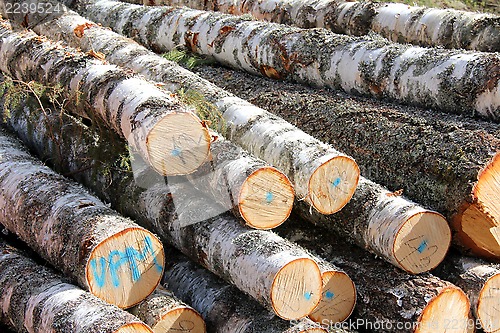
(488,306)
(178,144)
(126,268)
(338,298)
(266,198)
(477,231)
(134,328)
(422,242)
(478,224)
(447,312)
(296,289)
(332,185)
(181,319)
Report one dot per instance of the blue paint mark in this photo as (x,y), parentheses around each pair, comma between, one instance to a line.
(100,279)
(269,197)
(117,258)
(329,295)
(336,182)
(308,295)
(422,246)
(176,152)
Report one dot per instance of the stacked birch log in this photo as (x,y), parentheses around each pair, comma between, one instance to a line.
(211,176)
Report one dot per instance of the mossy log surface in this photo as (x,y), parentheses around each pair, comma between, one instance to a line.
(305,160)
(154,122)
(435,158)
(35,299)
(453,81)
(397,22)
(255,261)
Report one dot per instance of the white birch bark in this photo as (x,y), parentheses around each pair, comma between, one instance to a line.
(397,22)
(453,81)
(310,164)
(166,133)
(52,215)
(35,299)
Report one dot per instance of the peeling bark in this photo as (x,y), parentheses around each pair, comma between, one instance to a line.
(452,81)
(257,262)
(224,307)
(35,299)
(163,312)
(481,281)
(152,121)
(302,158)
(397,22)
(436,159)
(387,295)
(52,214)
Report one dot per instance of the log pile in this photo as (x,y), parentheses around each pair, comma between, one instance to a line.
(453,81)
(200,168)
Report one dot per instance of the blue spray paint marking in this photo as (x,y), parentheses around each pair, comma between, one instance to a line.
(422,246)
(176,152)
(100,279)
(269,197)
(329,295)
(117,258)
(336,182)
(308,295)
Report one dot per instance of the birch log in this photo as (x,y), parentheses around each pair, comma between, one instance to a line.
(323,177)
(397,301)
(36,300)
(277,273)
(224,307)
(438,160)
(397,22)
(166,133)
(110,256)
(254,191)
(449,80)
(164,313)
(481,281)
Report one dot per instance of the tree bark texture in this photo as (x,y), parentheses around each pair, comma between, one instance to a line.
(435,158)
(301,157)
(145,115)
(480,280)
(452,81)
(397,22)
(164,312)
(250,259)
(386,295)
(107,254)
(35,299)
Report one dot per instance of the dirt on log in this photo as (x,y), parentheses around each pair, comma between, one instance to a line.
(35,299)
(445,162)
(453,81)
(398,22)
